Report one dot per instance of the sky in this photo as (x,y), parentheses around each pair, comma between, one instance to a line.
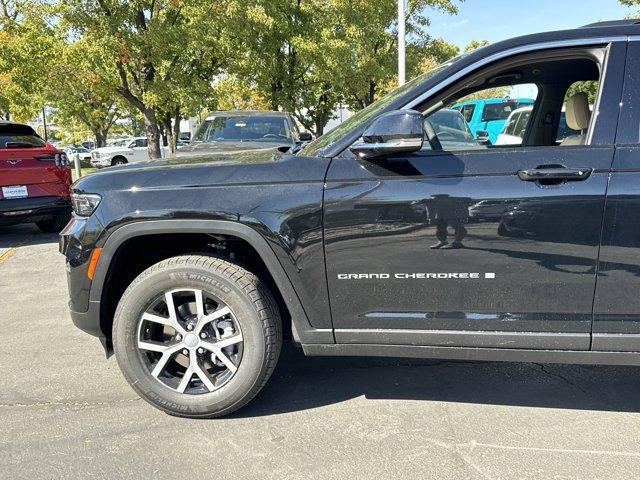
(496,20)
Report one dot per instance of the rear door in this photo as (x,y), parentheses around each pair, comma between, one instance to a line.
(616,322)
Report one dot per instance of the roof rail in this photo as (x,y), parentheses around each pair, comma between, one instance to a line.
(614,23)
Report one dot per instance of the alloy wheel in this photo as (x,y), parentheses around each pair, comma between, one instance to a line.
(190,341)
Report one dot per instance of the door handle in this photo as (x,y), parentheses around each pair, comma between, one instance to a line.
(536,174)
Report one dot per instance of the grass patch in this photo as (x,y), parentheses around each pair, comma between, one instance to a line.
(84,170)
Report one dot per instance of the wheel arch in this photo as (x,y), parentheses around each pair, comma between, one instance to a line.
(302,330)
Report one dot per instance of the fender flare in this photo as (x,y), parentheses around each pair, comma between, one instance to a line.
(302,330)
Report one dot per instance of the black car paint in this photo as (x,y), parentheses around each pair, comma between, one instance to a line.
(550,290)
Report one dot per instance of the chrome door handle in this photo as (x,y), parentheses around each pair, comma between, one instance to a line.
(554,174)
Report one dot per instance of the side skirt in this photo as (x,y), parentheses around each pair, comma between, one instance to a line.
(474,354)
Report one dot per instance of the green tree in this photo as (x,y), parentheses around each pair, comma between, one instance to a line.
(26,40)
(165,54)
(83,90)
(631,3)
(364,42)
(308,56)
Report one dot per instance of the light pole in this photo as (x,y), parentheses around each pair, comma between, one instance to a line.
(401,54)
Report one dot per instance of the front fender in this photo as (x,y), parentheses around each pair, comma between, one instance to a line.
(301,325)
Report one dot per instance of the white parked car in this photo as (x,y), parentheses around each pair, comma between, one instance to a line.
(516,126)
(128,150)
(79,153)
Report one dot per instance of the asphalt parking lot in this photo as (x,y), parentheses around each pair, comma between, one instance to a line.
(66,412)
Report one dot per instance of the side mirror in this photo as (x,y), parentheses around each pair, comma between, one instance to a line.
(482,136)
(305,137)
(399,131)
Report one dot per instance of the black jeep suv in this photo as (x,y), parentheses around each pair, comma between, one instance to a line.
(386,236)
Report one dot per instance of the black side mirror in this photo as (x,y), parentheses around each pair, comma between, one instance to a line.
(399,131)
(305,137)
(482,136)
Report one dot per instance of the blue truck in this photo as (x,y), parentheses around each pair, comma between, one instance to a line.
(486,117)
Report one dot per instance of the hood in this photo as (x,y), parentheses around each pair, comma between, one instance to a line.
(197,169)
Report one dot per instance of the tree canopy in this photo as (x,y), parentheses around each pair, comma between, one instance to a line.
(95,61)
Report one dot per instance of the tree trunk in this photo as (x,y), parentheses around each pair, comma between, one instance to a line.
(174,135)
(100,137)
(152,129)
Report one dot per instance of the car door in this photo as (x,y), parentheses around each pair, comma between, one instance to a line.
(616,325)
(140,151)
(523,273)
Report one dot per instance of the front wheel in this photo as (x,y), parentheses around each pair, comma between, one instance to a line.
(197,336)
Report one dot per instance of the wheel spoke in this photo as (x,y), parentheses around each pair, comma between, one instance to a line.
(184,383)
(202,375)
(202,321)
(226,360)
(170,322)
(221,312)
(166,356)
(199,304)
(228,341)
(153,346)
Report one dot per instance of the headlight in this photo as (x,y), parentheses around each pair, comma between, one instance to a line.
(84,204)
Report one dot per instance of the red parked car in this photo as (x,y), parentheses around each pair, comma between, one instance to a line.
(35,180)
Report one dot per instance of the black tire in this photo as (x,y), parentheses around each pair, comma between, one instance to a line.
(54,224)
(253,307)
(118,161)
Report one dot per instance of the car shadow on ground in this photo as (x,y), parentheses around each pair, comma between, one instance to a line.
(301,383)
(25,234)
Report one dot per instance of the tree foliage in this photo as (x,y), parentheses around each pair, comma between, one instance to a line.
(94,61)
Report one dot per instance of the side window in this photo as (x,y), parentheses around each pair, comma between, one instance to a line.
(467,111)
(502,109)
(542,100)
(590,89)
(140,143)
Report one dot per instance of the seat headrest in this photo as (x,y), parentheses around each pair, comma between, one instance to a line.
(578,113)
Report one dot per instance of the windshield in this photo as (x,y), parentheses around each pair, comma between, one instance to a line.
(368,113)
(243,129)
(119,143)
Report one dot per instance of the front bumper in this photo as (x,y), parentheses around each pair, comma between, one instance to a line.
(77,241)
(100,162)
(32,209)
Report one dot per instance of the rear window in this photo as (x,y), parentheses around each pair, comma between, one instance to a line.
(19,136)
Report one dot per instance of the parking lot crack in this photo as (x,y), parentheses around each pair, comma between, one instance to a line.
(561,378)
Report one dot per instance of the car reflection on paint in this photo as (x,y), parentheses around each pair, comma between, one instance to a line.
(537,219)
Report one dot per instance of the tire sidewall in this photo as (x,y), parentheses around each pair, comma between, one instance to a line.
(138,298)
